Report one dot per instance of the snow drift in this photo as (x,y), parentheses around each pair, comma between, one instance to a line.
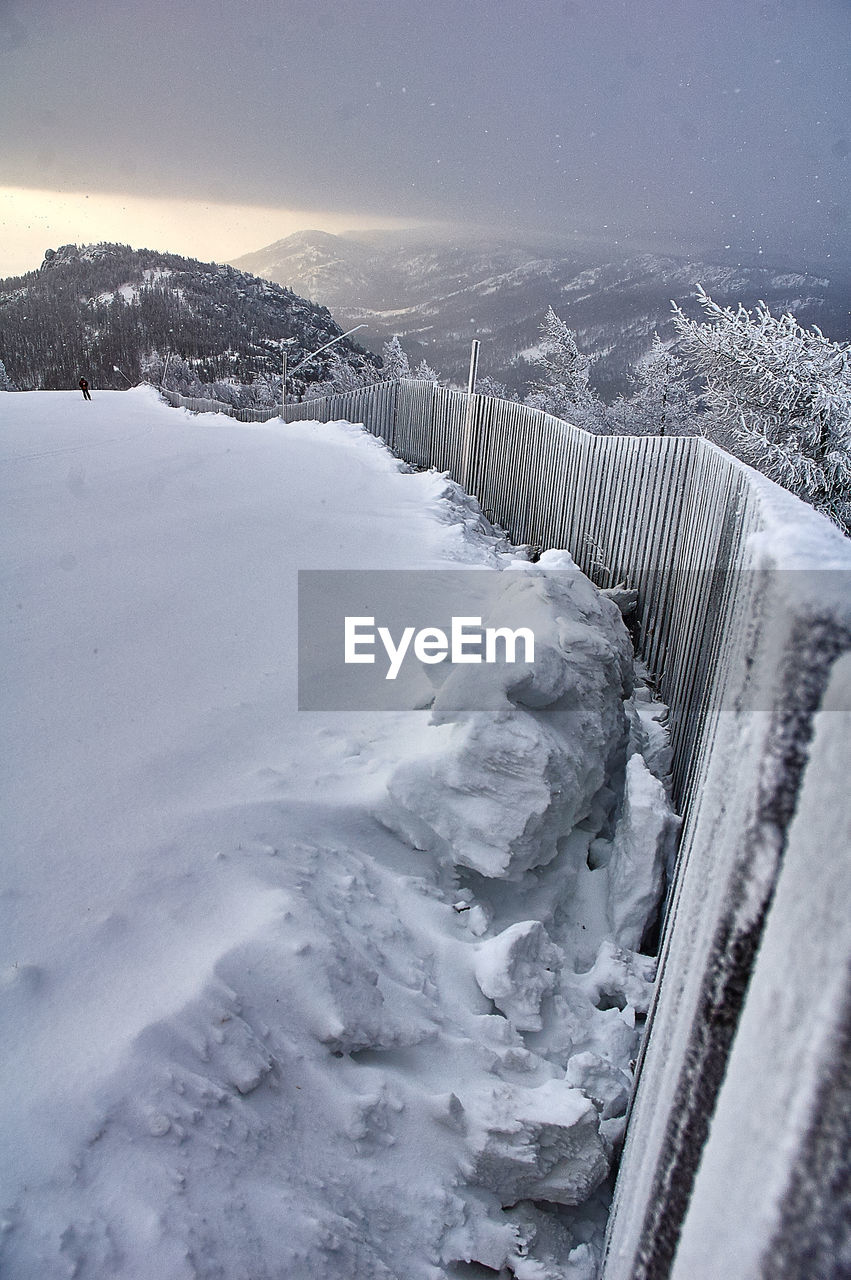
(317,995)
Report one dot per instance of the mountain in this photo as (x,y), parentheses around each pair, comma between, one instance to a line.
(89,309)
(439,292)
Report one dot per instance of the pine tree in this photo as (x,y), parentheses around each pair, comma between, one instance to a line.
(488,386)
(425,373)
(6,383)
(564,389)
(396,363)
(663,402)
(779,397)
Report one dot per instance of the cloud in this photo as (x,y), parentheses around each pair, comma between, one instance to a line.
(638,119)
(32,220)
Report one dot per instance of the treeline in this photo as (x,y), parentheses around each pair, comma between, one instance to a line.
(772,392)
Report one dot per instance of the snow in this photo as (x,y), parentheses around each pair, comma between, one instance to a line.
(761,1198)
(531,354)
(516,969)
(129,292)
(288,993)
(636,880)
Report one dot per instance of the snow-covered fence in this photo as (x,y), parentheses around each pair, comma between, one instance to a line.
(199,404)
(744,611)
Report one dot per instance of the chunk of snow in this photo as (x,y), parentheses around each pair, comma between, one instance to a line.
(516,969)
(635,879)
(537,1144)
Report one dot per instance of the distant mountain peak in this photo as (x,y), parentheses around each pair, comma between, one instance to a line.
(310,236)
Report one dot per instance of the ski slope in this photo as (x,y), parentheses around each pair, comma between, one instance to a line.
(263,1013)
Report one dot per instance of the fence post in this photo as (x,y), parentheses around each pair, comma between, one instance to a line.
(468,420)
(396,390)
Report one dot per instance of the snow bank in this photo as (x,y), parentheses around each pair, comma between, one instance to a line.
(316,995)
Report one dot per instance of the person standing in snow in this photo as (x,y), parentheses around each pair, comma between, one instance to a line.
(84,387)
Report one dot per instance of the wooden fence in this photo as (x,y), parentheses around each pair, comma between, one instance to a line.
(744,609)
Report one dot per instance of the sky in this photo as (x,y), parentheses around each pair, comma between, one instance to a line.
(218,126)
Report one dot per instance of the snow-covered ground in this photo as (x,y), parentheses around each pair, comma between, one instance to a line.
(293,994)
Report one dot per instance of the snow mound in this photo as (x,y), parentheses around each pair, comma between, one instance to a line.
(250,1029)
(499,792)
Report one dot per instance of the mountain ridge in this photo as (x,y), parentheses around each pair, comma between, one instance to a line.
(438,292)
(90,308)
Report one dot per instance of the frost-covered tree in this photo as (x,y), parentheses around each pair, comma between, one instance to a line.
(662,403)
(151,366)
(425,373)
(265,391)
(396,362)
(228,393)
(6,383)
(563,388)
(342,376)
(779,397)
(183,378)
(488,386)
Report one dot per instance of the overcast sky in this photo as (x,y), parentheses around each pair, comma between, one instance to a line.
(690,123)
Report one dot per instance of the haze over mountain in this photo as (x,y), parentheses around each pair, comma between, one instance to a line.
(438,292)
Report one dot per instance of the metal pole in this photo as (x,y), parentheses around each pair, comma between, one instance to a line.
(474,366)
(283,380)
(468,420)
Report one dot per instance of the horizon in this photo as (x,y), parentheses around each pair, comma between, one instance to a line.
(541,244)
(33,221)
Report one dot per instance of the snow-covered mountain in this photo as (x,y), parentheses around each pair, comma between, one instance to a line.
(90,308)
(439,292)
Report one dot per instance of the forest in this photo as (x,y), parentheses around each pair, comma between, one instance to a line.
(108,312)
